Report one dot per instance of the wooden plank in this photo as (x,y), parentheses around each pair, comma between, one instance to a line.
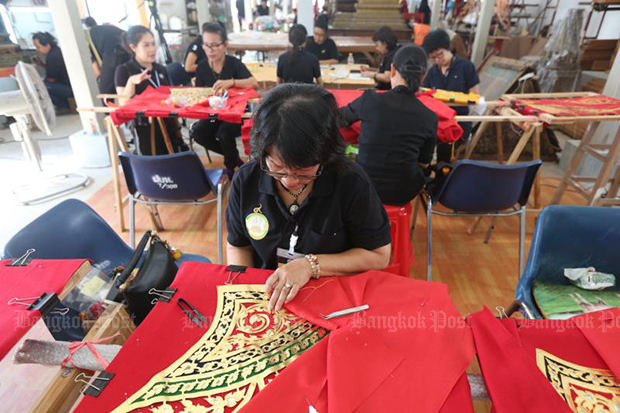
(116,180)
(62,394)
(75,279)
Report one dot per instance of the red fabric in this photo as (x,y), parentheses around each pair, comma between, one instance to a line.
(602,330)
(507,354)
(152,102)
(32,280)
(402,249)
(580,106)
(366,367)
(448,130)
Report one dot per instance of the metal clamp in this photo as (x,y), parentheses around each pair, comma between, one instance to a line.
(23,260)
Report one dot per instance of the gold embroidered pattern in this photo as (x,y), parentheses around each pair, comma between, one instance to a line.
(584,389)
(245,345)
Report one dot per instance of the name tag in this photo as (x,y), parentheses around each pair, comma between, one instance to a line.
(285,256)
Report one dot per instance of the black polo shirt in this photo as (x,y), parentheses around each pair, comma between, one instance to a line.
(159,76)
(342,212)
(460,77)
(233,69)
(325,51)
(304,69)
(55,66)
(106,38)
(196,48)
(385,66)
(397,132)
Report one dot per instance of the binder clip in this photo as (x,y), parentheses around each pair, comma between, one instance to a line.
(23,260)
(162,295)
(95,387)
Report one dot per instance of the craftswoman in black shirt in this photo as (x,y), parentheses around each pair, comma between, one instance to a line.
(133,77)
(301,197)
(56,76)
(322,46)
(220,71)
(298,65)
(398,132)
(194,55)
(386,44)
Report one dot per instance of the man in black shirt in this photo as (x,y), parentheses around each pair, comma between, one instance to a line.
(56,76)
(262,9)
(322,46)
(108,52)
(194,55)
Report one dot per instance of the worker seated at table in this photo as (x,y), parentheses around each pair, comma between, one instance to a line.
(300,207)
(398,132)
(386,44)
(298,65)
(56,76)
(107,52)
(134,77)
(450,72)
(262,9)
(195,54)
(321,45)
(221,72)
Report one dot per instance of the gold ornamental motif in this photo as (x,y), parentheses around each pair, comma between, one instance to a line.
(584,389)
(244,347)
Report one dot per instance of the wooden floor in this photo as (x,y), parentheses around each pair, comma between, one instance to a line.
(477,274)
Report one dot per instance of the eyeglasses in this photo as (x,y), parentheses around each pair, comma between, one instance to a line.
(212,46)
(279,175)
(437,56)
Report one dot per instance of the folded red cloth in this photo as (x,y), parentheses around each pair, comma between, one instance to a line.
(152,103)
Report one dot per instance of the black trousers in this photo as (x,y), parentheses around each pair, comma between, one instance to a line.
(220,137)
(143,129)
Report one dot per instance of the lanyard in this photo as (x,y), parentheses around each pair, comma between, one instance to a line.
(293,241)
(155,75)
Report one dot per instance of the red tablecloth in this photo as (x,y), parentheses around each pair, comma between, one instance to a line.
(152,103)
(411,348)
(548,365)
(448,130)
(32,280)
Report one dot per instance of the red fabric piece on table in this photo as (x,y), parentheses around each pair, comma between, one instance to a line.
(151,102)
(395,367)
(448,130)
(32,280)
(415,364)
(580,106)
(507,354)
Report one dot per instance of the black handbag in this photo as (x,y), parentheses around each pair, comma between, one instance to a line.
(133,283)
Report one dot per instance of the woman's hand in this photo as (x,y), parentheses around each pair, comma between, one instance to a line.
(222,85)
(140,77)
(368,73)
(285,282)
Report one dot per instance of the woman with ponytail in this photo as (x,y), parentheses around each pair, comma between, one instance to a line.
(398,133)
(133,77)
(297,65)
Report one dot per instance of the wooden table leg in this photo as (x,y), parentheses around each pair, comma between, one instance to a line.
(474,140)
(116,182)
(536,156)
(516,152)
(499,134)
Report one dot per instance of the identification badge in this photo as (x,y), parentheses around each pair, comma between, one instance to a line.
(285,256)
(257,225)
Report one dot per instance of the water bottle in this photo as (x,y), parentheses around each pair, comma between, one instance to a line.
(350,61)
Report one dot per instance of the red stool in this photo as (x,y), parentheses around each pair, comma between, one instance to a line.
(402,249)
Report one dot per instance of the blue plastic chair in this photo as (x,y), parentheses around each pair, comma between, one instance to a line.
(570,237)
(177,74)
(73,230)
(178,178)
(478,189)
